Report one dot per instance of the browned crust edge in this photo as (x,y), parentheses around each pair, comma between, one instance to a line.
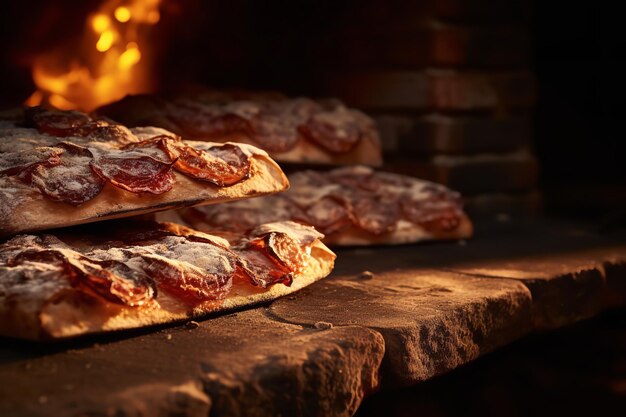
(412,233)
(41,213)
(73,315)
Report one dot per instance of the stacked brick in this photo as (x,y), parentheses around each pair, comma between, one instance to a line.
(450,86)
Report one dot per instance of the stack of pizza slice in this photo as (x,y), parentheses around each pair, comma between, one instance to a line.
(192,256)
(351,205)
(64,168)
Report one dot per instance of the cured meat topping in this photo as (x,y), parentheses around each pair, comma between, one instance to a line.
(221,165)
(68,178)
(81,154)
(273,122)
(190,266)
(374,202)
(137,174)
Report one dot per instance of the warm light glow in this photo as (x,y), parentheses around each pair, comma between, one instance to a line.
(60,103)
(105,42)
(130,57)
(34,99)
(153,17)
(100,23)
(111,63)
(122,14)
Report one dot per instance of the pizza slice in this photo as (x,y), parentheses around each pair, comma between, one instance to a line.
(292,130)
(150,273)
(60,168)
(351,206)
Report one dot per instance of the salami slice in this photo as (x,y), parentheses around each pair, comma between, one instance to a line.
(193,121)
(375,214)
(101,131)
(136,173)
(334,130)
(63,123)
(155,147)
(276,251)
(112,280)
(71,180)
(275,132)
(328,215)
(222,165)
(13,163)
(439,212)
(56,122)
(228,124)
(261,269)
(355,180)
(187,282)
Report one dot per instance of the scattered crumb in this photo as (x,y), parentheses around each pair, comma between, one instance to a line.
(461,242)
(88,365)
(43,399)
(366,275)
(322,325)
(192,324)
(168,336)
(503,217)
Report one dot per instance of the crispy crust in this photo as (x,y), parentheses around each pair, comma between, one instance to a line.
(406,232)
(366,152)
(346,229)
(38,212)
(73,313)
(142,110)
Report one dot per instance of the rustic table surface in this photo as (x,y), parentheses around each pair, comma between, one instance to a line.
(421,310)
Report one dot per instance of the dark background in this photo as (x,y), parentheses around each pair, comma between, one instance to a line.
(293,46)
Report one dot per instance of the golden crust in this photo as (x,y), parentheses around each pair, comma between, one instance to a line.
(39,212)
(366,152)
(143,110)
(71,313)
(405,233)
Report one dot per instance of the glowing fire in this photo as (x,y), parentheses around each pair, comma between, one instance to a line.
(110,62)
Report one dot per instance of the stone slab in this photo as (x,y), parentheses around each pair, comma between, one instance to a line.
(566,287)
(428,308)
(240,364)
(576,371)
(573,271)
(432,321)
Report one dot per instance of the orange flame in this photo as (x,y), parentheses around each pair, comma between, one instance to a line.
(111,62)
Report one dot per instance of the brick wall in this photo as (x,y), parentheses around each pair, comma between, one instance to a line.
(450,85)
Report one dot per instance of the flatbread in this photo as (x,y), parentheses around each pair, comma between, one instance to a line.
(351,206)
(61,168)
(140,275)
